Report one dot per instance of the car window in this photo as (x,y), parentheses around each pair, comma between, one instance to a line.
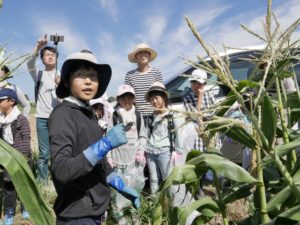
(241,70)
(178,86)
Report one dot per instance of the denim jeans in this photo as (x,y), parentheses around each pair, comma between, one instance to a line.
(158,165)
(44,149)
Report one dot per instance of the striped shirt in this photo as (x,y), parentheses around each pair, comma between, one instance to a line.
(141,82)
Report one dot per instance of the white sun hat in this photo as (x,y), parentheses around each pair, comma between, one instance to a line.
(199,76)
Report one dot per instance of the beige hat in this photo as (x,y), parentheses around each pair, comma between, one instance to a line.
(199,76)
(125,89)
(156,86)
(142,47)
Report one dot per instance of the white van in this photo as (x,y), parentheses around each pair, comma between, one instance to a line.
(178,86)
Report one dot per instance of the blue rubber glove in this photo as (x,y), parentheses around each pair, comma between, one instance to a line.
(117,183)
(115,137)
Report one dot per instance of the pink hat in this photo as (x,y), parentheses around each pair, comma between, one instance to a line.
(125,89)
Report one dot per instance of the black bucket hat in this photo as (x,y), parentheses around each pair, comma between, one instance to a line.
(104,72)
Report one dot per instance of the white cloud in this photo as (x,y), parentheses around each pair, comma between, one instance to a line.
(105,39)
(73,40)
(114,54)
(110,7)
(155,27)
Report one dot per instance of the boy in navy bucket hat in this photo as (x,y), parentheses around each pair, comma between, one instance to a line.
(6,93)
(81,174)
(15,130)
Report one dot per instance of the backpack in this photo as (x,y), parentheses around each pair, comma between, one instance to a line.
(37,85)
(117,119)
(171,126)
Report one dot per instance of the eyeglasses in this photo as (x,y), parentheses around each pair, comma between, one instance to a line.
(84,75)
(50,54)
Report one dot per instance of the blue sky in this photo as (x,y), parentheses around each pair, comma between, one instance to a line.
(111,28)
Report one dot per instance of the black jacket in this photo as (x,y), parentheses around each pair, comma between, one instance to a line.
(82,189)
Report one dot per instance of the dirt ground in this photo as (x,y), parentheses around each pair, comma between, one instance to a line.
(34,142)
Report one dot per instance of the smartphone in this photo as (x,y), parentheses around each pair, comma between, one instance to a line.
(128,126)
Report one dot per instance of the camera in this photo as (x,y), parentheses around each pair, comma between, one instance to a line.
(56,38)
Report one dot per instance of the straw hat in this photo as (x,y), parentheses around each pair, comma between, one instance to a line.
(104,73)
(156,86)
(142,47)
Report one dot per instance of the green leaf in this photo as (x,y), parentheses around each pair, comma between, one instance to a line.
(246,84)
(223,167)
(237,192)
(240,135)
(25,185)
(192,154)
(292,213)
(279,198)
(281,150)
(199,205)
(180,175)
(269,120)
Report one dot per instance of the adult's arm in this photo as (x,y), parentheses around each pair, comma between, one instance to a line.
(23,101)
(31,65)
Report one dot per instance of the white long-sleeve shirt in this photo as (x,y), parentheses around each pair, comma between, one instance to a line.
(47,98)
(125,154)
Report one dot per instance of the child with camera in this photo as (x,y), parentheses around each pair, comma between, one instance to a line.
(128,160)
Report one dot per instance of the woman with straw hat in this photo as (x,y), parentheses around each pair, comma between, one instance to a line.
(143,76)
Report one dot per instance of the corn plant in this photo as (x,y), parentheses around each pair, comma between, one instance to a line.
(273,185)
(25,184)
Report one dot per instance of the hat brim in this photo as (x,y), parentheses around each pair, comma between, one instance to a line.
(156,89)
(104,72)
(201,81)
(153,54)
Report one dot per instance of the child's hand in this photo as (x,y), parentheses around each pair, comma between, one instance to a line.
(201,92)
(140,158)
(116,182)
(116,136)
(176,156)
(110,162)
